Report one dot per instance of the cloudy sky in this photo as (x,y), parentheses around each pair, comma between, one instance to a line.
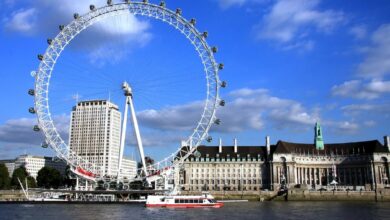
(288,64)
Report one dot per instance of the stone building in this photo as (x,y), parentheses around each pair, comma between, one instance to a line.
(318,166)
(229,168)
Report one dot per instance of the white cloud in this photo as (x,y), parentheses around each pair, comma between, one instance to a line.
(289,22)
(224,4)
(44,16)
(355,109)
(361,89)
(20,131)
(23,20)
(377,61)
(372,71)
(155,138)
(247,109)
(358,32)
(345,127)
(229,3)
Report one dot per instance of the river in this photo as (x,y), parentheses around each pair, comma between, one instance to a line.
(247,210)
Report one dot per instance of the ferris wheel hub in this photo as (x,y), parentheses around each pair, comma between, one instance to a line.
(127,89)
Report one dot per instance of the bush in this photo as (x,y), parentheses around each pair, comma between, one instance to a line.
(49,178)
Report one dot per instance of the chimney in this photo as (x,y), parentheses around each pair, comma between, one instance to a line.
(220,146)
(235,145)
(268,145)
(387,142)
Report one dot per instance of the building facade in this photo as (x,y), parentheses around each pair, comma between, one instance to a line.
(95,134)
(229,168)
(129,168)
(358,165)
(35,163)
(95,131)
(317,166)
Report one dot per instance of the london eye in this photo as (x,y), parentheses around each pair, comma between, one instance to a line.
(48,60)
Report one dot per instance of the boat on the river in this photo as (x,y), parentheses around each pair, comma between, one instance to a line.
(182,201)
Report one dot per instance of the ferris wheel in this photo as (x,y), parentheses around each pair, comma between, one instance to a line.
(67,33)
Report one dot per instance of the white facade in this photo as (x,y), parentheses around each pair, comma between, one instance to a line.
(129,168)
(35,163)
(95,134)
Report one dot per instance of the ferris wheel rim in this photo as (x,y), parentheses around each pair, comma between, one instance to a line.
(66,35)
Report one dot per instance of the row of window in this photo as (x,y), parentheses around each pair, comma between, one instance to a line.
(223,170)
(207,165)
(249,182)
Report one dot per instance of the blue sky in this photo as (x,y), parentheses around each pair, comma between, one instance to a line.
(289,63)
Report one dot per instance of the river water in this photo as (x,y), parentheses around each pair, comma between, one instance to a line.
(247,210)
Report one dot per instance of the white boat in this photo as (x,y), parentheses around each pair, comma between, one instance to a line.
(182,201)
(50,197)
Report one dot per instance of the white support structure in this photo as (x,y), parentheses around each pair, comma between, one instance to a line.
(138,137)
(129,102)
(123,138)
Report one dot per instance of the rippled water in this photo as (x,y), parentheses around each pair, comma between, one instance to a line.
(250,210)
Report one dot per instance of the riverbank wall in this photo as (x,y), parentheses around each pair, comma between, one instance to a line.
(12,195)
(381,195)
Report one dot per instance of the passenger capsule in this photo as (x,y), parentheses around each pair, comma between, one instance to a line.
(221,66)
(109,2)
(145,1)
(178,11)
(127,1)
(214,49)
(40,57)
(205,34)
(162,4)
(217,121)
(49,41)
(36,128)
(222,103)
(61,27)
(193,21)
(223,84)
(31,92)
(209,139)
(76,16)
(31,110)
(44,145)
(92,7)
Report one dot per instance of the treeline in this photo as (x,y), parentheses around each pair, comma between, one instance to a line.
(47,178)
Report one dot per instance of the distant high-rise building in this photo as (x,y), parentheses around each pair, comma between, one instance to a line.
(129,168)
(95,131)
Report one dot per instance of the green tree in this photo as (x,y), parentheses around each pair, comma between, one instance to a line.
(19,173)
(4,177)
(49,177)
(31,182)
